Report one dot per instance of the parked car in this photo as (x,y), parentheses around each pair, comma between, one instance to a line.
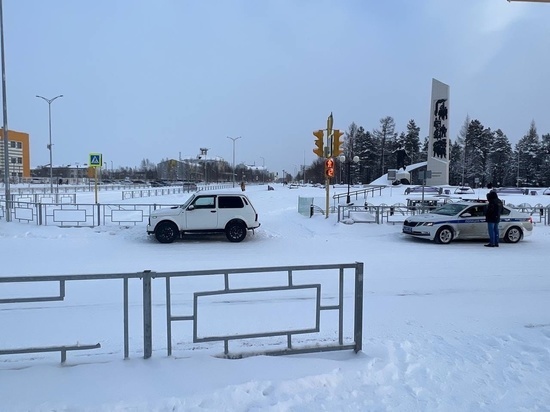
(189,186)
(223,212)
(466,220)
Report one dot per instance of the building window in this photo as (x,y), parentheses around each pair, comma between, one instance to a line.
(19,145)
(12,143)
(13,160)
(19,160)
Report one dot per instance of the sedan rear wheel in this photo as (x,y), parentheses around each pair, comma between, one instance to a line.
(513,235)
(444,235)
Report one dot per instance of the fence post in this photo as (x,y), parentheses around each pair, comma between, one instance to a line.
(358,318)
(98,214)
(126,328)
(147,316)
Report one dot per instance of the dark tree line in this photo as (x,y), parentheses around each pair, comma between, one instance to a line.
(477,156)
(488,156)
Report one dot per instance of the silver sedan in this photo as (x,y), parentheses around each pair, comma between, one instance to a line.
(466,220)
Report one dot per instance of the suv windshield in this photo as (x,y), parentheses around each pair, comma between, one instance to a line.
(450,209)
(188,202)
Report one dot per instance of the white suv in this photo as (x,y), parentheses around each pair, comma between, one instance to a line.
(227,212)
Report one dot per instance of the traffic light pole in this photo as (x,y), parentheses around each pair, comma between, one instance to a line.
(327,149)
(328,153)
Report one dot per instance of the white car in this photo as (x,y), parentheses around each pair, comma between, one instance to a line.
(230,213)
(466,220)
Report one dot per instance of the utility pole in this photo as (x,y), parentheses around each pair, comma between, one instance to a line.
(5,127)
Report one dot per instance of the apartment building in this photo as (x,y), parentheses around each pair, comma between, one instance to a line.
(19,160)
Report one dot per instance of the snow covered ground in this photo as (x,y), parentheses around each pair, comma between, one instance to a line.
(446,327)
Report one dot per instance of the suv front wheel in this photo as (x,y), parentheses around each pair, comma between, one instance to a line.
(235,231)
(166,232)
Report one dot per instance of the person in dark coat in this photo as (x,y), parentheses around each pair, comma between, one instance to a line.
(492,217)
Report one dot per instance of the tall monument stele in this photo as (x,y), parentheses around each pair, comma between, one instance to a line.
(438,143)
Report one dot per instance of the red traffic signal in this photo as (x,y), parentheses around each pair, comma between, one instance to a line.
(329,167)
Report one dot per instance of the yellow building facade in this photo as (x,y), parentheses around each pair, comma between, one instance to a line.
(19,166)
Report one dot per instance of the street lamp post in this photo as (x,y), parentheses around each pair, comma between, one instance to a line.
(263,169)
(348,162)
(50,101)
(233,171)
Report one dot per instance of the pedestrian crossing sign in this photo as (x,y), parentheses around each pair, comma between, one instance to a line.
(95,160)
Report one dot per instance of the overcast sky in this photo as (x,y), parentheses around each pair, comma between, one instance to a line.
(156,79)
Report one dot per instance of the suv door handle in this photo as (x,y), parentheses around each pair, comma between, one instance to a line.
(212,211)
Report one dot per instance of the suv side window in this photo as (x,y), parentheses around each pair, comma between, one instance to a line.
(205,202)
(230,202)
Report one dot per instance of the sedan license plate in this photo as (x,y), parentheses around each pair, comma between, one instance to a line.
(407,229)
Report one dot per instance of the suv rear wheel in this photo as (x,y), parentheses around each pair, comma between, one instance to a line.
(166,232)
(235,231)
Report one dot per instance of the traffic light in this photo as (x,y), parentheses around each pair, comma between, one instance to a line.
(329,167)
(336,142)
(319,150)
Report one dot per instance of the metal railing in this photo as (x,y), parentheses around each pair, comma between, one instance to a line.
(360,193)
(121,214)
(61,349)
(71,188)
(149,192)
(54,198)
(398,213)
(82,215)
(313,286)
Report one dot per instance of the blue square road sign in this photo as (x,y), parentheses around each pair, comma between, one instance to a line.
(95,160)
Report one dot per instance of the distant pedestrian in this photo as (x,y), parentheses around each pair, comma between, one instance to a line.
(492,217)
